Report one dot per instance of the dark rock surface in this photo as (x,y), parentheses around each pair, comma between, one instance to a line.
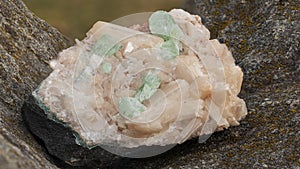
(264,37)
(60,141)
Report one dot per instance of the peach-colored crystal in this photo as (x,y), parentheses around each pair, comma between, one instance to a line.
(197,94)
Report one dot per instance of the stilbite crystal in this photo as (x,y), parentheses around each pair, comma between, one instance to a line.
(197,94)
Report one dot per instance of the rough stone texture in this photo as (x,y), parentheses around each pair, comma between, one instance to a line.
(264,38)
(26,44)
(60,141)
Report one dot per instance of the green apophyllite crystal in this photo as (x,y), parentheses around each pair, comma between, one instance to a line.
(106,46)
(149,87)
(130,107)
(170,49)
(162,24)
(106,67)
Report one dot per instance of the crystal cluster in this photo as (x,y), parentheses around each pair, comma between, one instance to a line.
(157,83)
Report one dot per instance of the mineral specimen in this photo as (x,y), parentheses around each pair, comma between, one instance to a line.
(121,86)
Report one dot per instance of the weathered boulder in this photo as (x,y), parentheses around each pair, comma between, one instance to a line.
(26,44)
(264,38)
